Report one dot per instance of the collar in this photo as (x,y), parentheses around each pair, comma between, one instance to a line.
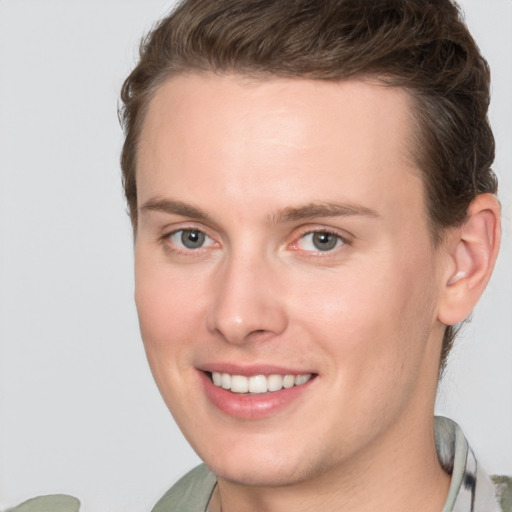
(471,490)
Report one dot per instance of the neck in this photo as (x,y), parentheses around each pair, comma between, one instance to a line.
(397,474)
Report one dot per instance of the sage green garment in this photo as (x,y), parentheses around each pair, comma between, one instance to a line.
(190,494)
(52,503)
(471,490)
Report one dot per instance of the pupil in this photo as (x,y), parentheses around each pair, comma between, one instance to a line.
(324,241)
(192,239)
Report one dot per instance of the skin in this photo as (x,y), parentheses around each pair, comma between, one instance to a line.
(364,317)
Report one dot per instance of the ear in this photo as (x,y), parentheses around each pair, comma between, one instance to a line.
(472,252)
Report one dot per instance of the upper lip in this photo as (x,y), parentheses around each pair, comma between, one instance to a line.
(254,369)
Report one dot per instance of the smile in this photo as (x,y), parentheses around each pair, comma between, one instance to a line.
(257,384)
(257,392)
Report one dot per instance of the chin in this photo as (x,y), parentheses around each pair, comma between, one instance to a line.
(260,467)
(262,476)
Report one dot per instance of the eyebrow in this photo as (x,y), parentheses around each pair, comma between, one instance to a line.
(174,207)
(289,214)
(323,209)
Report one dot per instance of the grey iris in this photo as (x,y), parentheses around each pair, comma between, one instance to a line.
(192,239)
(324,241)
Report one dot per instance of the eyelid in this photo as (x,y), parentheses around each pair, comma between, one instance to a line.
(302,231)
(165,239)
(346,238)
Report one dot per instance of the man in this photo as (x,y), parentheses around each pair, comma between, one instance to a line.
(314,212)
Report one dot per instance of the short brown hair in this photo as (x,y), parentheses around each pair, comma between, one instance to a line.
(422,46)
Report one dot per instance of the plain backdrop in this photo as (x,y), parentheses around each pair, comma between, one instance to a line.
(80,413)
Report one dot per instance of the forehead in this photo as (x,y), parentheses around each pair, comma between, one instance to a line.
(275,108)
(254,138)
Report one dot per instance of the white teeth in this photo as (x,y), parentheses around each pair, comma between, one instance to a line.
(225,381)
(302,379)
(239,384)
(258,383)
(217,378)
(288,381)
(275,382)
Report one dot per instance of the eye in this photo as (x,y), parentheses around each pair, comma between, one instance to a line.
(320,241)
(190,239)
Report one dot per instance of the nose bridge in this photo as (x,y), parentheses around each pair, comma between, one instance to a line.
(244,299)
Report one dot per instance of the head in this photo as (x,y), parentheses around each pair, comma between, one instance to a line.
(422,47)
(329,92)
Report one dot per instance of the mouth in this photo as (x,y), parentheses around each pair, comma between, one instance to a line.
(257,384)
(258,394)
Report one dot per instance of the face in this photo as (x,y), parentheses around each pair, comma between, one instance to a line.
(286,283)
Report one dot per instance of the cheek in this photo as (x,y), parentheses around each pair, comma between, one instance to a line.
(168,310)
(168,307)
(350,304)
(369,317)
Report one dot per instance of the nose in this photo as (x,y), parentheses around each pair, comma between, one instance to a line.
(247,303)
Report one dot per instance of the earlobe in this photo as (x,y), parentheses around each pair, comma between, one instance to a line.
(474,249)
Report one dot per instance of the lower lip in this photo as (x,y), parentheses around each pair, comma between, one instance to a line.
(251,407)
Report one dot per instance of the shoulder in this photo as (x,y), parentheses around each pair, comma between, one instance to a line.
(503,486)
(190,494)
(51,503)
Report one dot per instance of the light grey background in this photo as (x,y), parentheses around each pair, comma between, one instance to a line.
(79,411)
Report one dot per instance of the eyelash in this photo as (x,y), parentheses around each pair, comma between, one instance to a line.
(173,247)
(340,242)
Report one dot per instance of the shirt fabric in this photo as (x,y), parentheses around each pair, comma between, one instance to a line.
(471,490)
